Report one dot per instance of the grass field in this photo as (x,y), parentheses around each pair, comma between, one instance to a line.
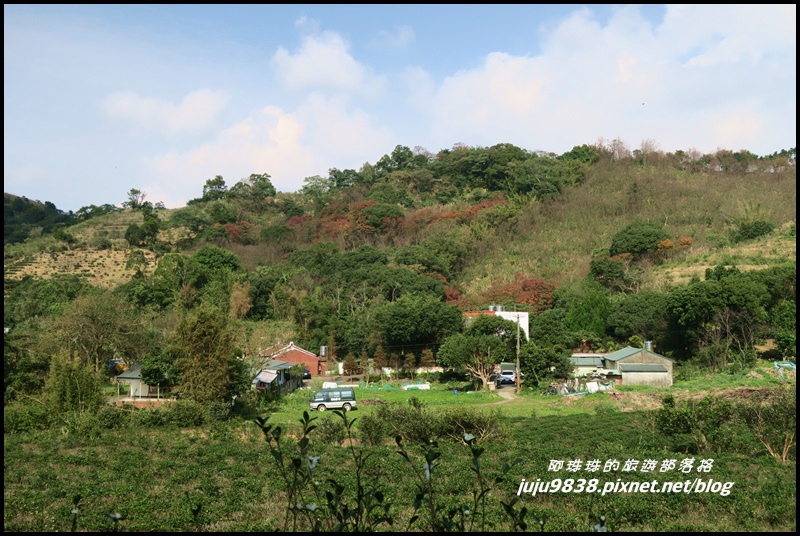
(221,476)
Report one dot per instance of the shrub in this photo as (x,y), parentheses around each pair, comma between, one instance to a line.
(456,423)
(101,243)
(609,272)
(72,386)
(184,413)
(413,422)
(752,229)
(86,424)
(331,431)
(772,418)
(706,421)
(372,430)
(112,417)
(219,410)
(638,238)
(149,417)
(717,240)
(24,416)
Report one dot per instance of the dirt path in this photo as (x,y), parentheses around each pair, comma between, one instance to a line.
(507,392)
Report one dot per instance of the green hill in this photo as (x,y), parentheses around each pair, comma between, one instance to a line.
(380,257)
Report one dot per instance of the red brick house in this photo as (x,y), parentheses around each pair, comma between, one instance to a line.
(292,353)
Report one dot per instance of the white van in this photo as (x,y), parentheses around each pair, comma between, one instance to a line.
(338,398)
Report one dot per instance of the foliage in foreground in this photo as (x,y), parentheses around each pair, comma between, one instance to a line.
(222,477)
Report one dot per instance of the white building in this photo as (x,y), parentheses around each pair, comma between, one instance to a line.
(518,317)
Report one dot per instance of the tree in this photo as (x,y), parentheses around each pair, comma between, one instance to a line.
(317,189)
(725,315)
(610,273)
(401,158)
(191,217)
(160,369)
(543,363)
(135,235)
(350,364)
(150,226)
(205,342)
(63,236)
(24,371)
(219,212)
(33,298)
(477,354)
(251,193)
(100,326)
(379,360)
(72,385)
(423,257)
(638,239)
(135,199)
(643,314)
(496,326)
(590,311)
(416,320)
(548,328)
(426,359)
(214,189)
(377,218)
(262,186)
(215,258)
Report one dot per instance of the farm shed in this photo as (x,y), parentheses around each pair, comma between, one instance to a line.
(133,378)
(586,363)
(641,366)
(291,353)
(276,376)
(652,374)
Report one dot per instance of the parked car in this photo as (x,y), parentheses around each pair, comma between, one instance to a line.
(339,398)
(508,376)
(306,374)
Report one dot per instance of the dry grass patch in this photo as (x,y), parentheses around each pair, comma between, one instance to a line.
(102,268)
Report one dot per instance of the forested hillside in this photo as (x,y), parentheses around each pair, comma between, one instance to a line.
(23,218)
(600,244)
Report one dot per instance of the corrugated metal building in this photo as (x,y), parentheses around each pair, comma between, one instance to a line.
(641,366)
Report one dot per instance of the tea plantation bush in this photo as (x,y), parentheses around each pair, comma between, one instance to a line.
(25,416)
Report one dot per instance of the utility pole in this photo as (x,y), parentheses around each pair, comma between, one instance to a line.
(518,381)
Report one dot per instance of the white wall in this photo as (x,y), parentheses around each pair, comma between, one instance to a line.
(513,316)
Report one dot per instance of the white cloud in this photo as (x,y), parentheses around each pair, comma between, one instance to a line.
(288,146)
(701,77)
(401,38)
(269,142)
(737,129)
(340,132)
(195,114)
(419,90)
(323,62)
(708,35)
(628,80)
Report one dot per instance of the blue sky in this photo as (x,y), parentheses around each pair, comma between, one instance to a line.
(102,99)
